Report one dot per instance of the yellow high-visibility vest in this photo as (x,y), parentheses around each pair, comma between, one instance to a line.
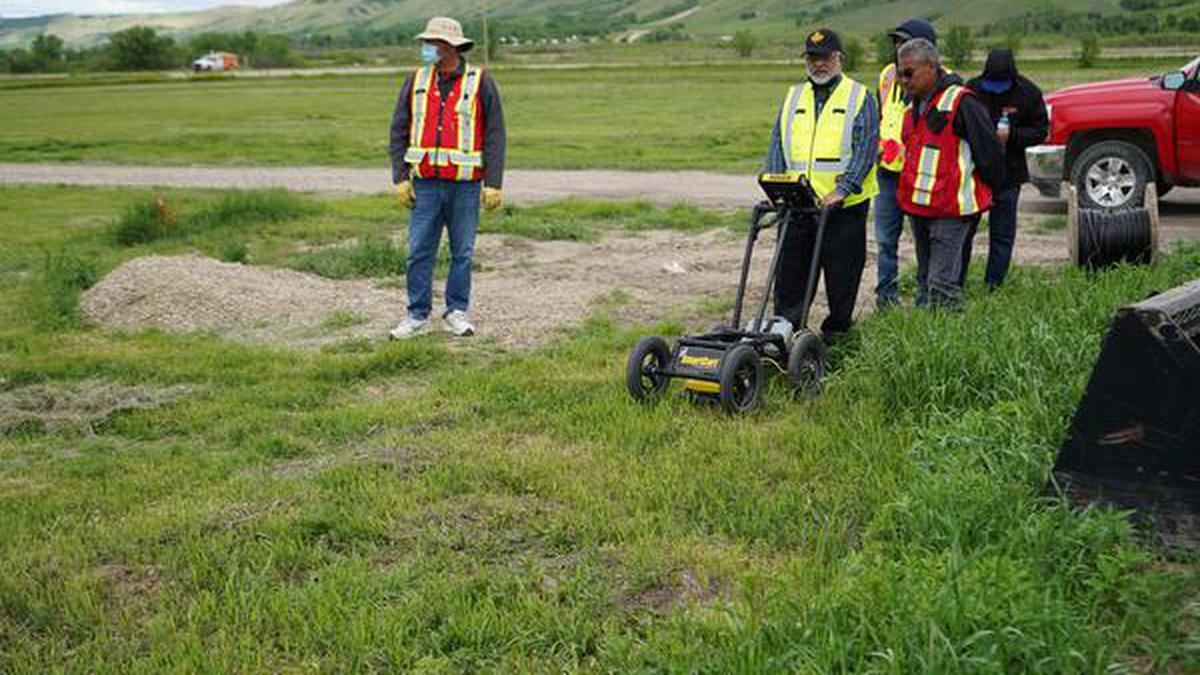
(891,120)
(820,148)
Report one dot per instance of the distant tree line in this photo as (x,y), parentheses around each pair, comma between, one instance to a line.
(1139,19)
(143,48)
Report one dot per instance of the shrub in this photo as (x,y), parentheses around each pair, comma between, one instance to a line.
(141,48)
(959,47)
(1089,51)
(233,251)
(885,50)
(144,222)
(64,277)
(854,54)
(250,206)
(744,43)
(154,219)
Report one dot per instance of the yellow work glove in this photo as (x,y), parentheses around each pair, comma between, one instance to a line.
(405,194)
(491,198)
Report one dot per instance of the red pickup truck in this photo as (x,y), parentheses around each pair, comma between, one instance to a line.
(1109,139)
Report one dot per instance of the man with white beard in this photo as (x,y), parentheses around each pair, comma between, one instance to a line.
(828,131)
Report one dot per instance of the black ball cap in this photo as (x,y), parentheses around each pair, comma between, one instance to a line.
(822,42)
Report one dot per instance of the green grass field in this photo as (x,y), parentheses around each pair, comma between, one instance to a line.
(417,507)
(715,118)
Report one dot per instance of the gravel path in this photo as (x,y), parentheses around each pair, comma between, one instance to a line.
(523,187)
(1180,209)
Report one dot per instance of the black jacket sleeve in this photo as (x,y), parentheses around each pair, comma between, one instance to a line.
(495,138)
(398,140)
(1036,124)
(974,124)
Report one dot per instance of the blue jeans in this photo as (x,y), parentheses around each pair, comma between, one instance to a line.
(889,222)
(1002,234)
(456,206)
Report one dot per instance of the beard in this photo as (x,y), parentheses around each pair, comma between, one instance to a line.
(821,80)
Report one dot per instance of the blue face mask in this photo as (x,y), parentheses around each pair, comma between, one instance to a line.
(429,54)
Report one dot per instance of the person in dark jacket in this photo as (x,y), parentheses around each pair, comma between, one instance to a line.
(952,164)
(447,147)
(1018,113)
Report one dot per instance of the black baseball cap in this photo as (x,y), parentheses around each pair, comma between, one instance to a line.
(913,29)
(822,42)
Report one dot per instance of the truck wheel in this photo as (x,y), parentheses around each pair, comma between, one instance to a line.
(1111,175)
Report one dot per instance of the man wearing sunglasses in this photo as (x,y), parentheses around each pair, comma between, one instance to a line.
(952,163)
(828,131)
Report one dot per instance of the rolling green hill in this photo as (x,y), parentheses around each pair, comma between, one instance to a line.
(530,19)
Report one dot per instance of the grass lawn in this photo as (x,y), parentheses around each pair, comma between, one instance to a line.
(715,118)
(416,508)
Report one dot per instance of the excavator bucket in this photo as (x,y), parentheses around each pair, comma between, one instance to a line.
(1135,439)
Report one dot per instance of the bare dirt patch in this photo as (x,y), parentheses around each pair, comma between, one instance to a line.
(51,407)
(526,291)
(128,583)
(678,591)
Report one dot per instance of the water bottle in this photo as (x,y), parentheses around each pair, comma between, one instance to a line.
(1004,124)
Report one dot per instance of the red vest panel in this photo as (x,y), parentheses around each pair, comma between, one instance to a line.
(446,134)
(939,179)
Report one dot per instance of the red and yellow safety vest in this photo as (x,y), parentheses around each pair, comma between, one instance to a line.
(939,179)
(446,134)
(891,120)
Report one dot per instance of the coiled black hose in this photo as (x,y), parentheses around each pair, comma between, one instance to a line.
(1112,237)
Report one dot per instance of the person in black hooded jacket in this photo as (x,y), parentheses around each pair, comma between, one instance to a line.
(1008,96)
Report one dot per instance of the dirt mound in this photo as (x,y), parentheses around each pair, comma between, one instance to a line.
(53,407)
(525,292)
(263,305)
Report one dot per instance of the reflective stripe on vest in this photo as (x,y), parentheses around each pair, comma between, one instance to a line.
(966,169)
(821,147)
(891,120)
(457,155)
(465,158)
(931,156)
(422,81)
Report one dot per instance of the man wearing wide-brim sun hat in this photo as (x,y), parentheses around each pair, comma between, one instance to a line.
(447,148)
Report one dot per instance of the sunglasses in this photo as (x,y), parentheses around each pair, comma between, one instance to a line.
(907,73)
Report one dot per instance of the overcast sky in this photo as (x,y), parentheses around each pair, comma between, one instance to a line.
(18,8)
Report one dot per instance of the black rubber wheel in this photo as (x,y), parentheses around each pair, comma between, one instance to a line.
(1111,175)
(643,370)
(741,380)
(807,364)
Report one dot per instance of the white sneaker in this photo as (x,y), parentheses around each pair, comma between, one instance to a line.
(408,328)
(458,324)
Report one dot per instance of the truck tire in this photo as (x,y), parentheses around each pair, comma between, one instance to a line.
(1111,175)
